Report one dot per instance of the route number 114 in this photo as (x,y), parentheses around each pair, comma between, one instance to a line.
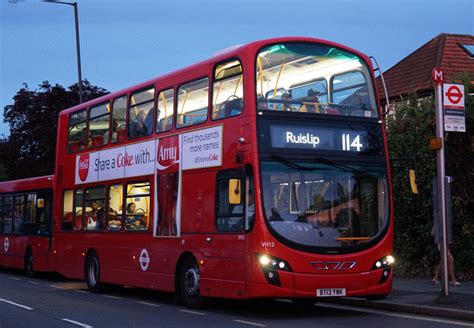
(349,145)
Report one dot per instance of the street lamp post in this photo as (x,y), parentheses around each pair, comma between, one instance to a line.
(78,46)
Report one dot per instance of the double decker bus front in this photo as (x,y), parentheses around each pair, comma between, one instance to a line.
(324,178)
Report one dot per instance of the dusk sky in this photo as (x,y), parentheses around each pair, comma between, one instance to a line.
(127,42)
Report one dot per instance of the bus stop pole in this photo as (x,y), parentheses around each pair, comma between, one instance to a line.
(442,189)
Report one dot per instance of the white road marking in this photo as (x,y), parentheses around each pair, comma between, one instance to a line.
(33,282)
(399,315)
(17,279)
(16,304)
(250,323)
(114,297)
(81,291)
(77,323)
(56,286)
(193,312)
(146,303)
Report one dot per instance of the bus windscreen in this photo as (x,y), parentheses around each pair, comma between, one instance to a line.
(314,78)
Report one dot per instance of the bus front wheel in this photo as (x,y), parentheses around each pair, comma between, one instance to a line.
(92,273)
(189,284)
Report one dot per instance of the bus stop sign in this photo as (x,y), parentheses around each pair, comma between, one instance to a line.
(453,108)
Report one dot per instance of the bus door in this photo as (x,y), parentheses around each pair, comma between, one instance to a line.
(233,217)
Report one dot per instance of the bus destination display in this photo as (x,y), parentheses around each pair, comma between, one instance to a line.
(358,140)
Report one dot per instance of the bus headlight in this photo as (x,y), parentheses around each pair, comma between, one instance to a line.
(385,264)
(274,263)
(270,267)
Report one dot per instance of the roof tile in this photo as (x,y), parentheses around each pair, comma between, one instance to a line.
(413,73)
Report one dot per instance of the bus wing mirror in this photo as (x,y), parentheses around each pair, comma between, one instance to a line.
(235,192)
(414,188)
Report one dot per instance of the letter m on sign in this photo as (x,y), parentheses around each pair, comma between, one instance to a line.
(437,75)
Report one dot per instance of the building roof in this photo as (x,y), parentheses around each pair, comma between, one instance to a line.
(413,73)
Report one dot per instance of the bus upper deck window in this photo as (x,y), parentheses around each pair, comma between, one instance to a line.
(119,112)
(314,78)
(193,101)
(140,115)
(164,114)
(227,91)
(78,137)
(99,125)
(351,91)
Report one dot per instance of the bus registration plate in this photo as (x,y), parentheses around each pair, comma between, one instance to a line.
(330,292)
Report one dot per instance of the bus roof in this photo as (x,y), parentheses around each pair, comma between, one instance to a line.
(35,183)
(176,77)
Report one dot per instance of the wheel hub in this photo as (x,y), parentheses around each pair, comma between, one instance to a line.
(191,281)
(93,272)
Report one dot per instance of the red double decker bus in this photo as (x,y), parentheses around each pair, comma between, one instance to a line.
(262,172)
(25,224)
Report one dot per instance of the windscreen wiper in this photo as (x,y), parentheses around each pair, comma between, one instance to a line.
(290,163)
(336,164)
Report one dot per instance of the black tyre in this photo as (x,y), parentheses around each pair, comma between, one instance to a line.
(92,273)
(29,264)
(189,284)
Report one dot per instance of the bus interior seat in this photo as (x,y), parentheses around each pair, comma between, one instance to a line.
(97,140)
(121,135)
(74,145)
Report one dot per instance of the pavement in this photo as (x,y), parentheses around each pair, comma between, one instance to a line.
(419,296)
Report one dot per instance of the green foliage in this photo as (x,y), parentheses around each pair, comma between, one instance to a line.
(30,148)
(409,135)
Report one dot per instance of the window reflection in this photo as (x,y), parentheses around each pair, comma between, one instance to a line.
(313,78)
(325,206)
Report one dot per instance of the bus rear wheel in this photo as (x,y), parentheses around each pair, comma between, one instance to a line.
(29,264)
(92,273)
(189,284)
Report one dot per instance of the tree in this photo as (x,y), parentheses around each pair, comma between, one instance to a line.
(409,134)
(30,149)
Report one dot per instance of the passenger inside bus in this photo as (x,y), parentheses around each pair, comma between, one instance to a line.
(311,102)
(159,122)
(95,217)
(232,107)
(85,140)
(113,132)
(114,222)
(286,101)
(135,218)
(138,126)
(262,103)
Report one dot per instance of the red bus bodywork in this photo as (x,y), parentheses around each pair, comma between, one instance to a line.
(228,261)
(15,247)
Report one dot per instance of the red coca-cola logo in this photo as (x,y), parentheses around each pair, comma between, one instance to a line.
(83,166)
(168,153)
